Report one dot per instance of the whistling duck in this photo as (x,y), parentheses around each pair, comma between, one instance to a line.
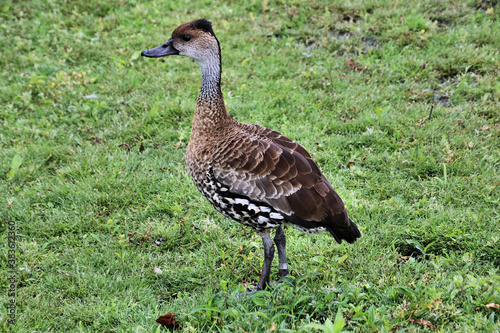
(250,173)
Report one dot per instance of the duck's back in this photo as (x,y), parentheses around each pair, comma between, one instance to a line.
(262,179)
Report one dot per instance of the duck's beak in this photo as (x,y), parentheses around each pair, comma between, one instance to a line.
(163,50)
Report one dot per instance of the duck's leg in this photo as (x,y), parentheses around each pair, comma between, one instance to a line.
(280,241)
(268,260)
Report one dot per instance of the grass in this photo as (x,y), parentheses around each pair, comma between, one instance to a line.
(92,169)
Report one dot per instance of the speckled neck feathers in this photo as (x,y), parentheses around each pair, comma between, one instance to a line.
(211,68)
(210,112)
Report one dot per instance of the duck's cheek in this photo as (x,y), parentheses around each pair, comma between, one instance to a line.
(187,53)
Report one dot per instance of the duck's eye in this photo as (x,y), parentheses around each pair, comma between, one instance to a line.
(186,37)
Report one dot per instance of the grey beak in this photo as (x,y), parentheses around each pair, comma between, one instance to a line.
(163,50)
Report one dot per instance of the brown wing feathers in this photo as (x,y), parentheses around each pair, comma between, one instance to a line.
(277,171)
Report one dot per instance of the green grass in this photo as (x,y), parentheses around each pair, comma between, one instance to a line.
(93,138)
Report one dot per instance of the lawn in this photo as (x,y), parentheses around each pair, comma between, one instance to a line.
(397,102)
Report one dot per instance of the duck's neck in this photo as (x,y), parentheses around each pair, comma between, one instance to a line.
(210,80)
(210,110)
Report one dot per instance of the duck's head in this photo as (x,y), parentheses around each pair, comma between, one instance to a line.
(194,39)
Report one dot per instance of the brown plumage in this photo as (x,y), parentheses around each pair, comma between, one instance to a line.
(250,173)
